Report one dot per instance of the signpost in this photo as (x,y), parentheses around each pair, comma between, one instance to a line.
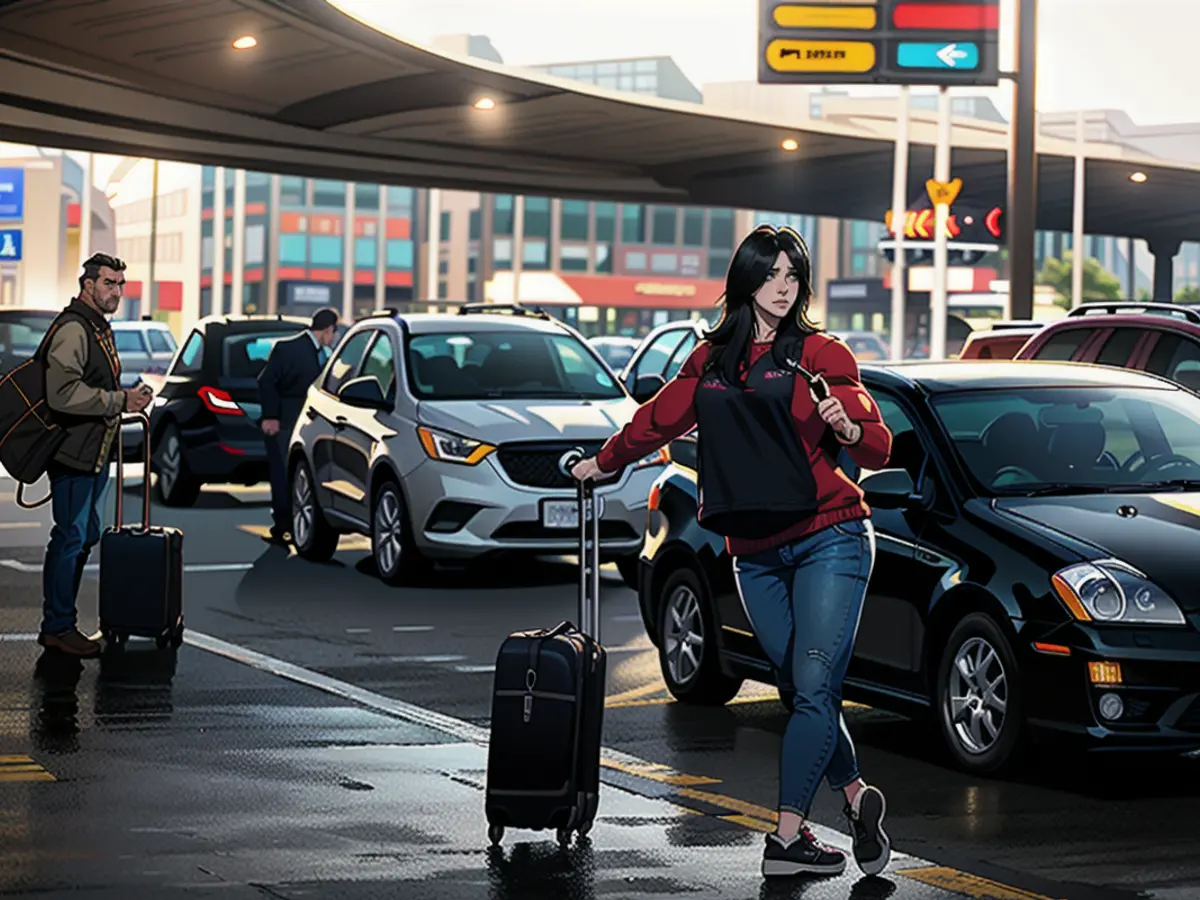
(10,245)
(12,194)
(906,42)
(902,42)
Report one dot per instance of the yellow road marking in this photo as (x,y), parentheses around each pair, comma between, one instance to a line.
(349,543)
(17,768)
(749,822)
(967,884)
(660,773)
(635,693)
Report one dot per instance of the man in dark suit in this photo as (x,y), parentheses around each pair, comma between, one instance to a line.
(283,384)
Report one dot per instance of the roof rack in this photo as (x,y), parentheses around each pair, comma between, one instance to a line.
(515,309)
(1014,324)
(1110,307)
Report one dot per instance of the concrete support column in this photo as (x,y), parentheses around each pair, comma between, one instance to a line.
(85,214)
(238,280)
(1164,252)
(381,249)
(218,220)
(348,256)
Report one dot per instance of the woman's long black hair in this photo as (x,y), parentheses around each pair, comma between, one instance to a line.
(733,334)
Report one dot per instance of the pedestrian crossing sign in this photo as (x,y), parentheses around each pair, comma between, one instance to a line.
(943,193)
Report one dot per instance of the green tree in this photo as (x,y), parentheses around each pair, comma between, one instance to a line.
(1098,282)
(1188,295)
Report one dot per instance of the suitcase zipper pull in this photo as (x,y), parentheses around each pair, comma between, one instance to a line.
(530,681)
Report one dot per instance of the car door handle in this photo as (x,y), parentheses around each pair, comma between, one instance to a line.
(340,422)
(310,412)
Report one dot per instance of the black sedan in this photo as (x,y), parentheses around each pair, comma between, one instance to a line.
(1036,540)
(205,421)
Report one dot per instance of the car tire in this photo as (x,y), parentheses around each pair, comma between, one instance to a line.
(312,535)
(176,484)
(629,567)
(396,558)
(687,649)
(979,714)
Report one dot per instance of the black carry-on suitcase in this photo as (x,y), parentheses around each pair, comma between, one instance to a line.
(548,709)
(141,568)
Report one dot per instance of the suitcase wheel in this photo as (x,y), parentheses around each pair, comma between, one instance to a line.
(114,640)
(174,638)
(495,834)
(564,836)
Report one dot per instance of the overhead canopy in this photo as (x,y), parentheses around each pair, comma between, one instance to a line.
(324,95)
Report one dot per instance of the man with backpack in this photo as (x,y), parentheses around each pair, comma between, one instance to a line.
(86,400)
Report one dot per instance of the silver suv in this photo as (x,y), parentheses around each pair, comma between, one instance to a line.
(441,436)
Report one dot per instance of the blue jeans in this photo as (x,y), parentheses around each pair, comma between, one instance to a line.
(804,601)
(76,499)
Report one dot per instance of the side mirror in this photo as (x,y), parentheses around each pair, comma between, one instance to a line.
(685,451)
(363,392)
(889,489)
(647,386)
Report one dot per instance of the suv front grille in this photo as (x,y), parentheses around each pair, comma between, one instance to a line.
(536,464)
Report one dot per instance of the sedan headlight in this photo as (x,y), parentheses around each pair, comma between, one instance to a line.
(1109,590)
(451,448)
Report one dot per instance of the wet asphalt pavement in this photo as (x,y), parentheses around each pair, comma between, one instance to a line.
(185,772)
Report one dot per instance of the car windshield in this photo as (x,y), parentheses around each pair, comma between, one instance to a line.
(509,364)
(616,355)
(1047,440)
(244,354)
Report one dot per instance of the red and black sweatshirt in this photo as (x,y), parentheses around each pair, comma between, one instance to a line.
(672,413)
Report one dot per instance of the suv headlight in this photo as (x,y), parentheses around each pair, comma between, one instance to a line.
(451,448)
(1109,590)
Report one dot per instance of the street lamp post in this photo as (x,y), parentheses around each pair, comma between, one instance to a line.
(152,291)
(1022,164)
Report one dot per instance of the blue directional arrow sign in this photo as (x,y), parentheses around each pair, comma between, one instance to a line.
(10,245)
(961,56)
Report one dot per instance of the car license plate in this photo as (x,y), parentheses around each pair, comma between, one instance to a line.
(564,513)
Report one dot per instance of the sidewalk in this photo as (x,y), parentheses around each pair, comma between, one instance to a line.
(189,774)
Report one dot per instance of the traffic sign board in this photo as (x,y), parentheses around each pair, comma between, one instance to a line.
(12,193)
(916,42)
(943,193)
(964,56)
(10,245)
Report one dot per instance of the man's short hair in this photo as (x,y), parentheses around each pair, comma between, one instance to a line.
(96,262)
(324,318)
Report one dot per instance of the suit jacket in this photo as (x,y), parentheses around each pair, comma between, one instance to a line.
(283,383)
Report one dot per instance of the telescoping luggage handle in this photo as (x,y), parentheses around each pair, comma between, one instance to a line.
(589,548)
(143,420)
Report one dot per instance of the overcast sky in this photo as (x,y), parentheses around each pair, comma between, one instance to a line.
(1135,55)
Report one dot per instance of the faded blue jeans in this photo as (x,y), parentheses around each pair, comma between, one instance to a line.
(804,601)
(76,501)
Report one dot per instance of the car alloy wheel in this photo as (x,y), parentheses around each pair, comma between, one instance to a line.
(312,535)
(978,695)
(687,651)
(176,485)
(396,559)
(683,641)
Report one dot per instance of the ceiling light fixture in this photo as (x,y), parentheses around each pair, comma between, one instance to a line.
(485,103)
(1138,177)
(245,43)
(790,144)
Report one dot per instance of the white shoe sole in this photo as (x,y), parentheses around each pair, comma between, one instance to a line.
(776,868)
(877,865)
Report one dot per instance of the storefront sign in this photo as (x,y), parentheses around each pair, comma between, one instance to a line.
(659,289)
(10,245)
(309,294)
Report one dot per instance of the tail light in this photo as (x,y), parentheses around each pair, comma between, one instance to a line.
(655,497)
(219,402)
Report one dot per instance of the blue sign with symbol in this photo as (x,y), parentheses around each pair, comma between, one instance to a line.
(10,245)
(12,193)
(964,56)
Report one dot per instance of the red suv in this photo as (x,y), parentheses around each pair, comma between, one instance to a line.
(1160,338)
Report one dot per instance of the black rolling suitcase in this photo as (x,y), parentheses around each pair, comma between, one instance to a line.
(548,711)
(141,568)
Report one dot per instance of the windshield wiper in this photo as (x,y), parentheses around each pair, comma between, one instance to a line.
(1175,484)
(1067,488)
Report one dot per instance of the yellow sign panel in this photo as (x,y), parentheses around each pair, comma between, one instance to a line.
(943,193)
(658,289)
(856,57)
(809,16)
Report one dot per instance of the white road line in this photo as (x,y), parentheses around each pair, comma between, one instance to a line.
(19,566)
(11,526)
(426,659)
(358,631)
(405,629)
(17,637)
(475,670)
(626,619)
(419,715)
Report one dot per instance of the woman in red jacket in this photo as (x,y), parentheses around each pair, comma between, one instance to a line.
(776,401)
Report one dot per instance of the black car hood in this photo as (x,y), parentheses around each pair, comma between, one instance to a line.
(1162,539)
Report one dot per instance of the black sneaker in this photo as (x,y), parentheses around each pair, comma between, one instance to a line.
(802,855)
(872,847)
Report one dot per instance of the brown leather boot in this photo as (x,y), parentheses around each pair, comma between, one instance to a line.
(70,642)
